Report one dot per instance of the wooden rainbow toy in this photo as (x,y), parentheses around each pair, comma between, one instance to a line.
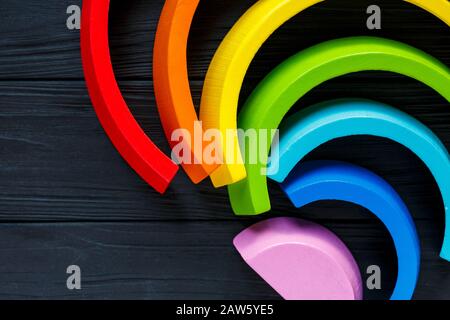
(285,252)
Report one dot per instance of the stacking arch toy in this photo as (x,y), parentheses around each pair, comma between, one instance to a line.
(122,128)
(219,108)
(231,61)
(316,125)
(301,260)
(171,83)
(331,180)
(282,88)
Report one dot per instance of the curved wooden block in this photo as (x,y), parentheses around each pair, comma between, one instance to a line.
(171,83)
(123,130)
(286,84)
(301,260)
(331,180)
(314,126)
(228,68)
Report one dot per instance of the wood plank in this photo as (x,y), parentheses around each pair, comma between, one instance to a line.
(190,260)
(165,261)
(35,43)
(58,164)
(68,198)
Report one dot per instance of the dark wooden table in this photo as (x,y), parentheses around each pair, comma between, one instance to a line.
(67,197)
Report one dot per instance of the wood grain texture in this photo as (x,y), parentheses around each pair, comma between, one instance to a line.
(67,197)
(128,260)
